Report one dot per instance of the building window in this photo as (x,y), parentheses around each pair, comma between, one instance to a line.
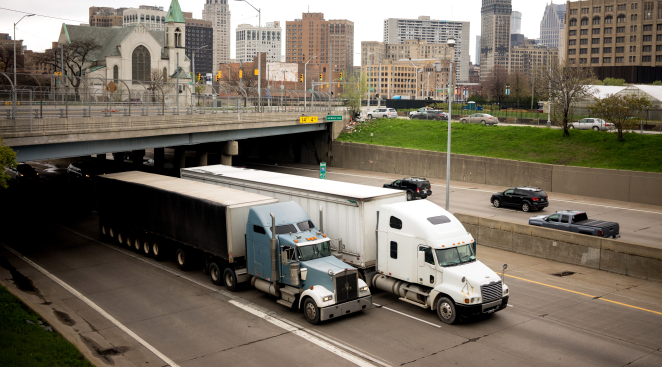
(621,7)
(607,40)
(595,50)
(595,60)
(648,28)
(620,19)
(596,31)
(633,48)
(633,17)
(583,41)
(584,21)
(573,11)
(572,42)
(595,41)
(573,22)
(141,64)
(609,19)
(572,51)
(620,29)
(618,60)
(606,50)
(620,50)
(596,21)
(609,8)
(574,32)
(634,5)
(633,28)
(597,9)
(658,48)
(632,59)
(648,38)
(659,37)
(607,30)
(583,51)
(583,61)
(116,72)
(633,38)
(658,58)
(606,60)
(583,32)
(620,39)
(572,61)
(645,59)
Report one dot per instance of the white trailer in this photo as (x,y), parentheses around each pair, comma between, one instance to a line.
(348,211)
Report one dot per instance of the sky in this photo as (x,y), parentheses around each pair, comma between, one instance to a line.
(368,16)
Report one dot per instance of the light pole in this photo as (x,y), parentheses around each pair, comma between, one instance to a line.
(549,111)
(193,70)
(259,55)
(14,104)
(305,88)
(451,44)
(416,80)
(369,76)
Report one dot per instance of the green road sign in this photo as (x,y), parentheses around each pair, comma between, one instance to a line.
(323,170)
(334,118)
(372,89)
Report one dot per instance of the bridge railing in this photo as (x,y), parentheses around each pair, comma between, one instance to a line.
(37,98)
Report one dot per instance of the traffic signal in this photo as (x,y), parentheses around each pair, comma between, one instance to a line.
(320,77)
(241,74)
(300,78)
(340,76)
(199,76)
(256,72)
(218,75)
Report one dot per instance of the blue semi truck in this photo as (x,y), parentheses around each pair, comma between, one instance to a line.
(234,236)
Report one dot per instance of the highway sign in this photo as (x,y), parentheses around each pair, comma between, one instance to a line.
(334,118)
(308,119)
(323,170)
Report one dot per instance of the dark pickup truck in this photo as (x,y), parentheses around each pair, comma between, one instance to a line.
(578,222)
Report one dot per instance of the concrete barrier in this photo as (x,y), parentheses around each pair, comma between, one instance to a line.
(631,186)
(593,252)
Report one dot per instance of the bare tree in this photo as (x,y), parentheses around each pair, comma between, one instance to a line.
(76,59)
(623,111)
(564,85)
(495,84)
(519,85)
(7,58)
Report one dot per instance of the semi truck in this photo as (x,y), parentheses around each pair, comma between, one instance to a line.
(234,236)
(415,249)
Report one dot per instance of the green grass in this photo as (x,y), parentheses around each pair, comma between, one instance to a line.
(25,345)
(532,144)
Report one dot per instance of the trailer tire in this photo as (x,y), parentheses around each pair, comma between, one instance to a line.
(103,229)
(146,247)
(111,232)
(230,279)
(215,274)
(137,244)
(446,310)
(183,258)
(310,311)
(157,251)
(121,237)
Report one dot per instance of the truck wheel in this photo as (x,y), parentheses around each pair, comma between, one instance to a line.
(129,241)
(121,237)
(230,279)
(137,244)
(526,207)
(183,258)
(446,310)
(111,232)
(146,248)
(410,197)
(158,251)
(103,230)
(310,311)
(496,203)
(215,274)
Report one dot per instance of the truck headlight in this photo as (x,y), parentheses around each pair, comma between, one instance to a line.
(505,291)
(327,298)
(364,289)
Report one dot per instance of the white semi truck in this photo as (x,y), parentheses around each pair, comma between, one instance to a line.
(416,249)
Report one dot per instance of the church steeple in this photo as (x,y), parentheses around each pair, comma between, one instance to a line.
(175,13)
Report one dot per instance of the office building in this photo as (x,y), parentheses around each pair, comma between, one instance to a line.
(516,22)
(372,52)
(551,25)
(477,55)
(248,45)
(529,56)
(397,30)
(200,33)
(314,38)
(106,17)
(617,39)
(494,35)
(152,17)
(218,13)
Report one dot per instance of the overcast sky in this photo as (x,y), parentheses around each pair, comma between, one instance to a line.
(368,16)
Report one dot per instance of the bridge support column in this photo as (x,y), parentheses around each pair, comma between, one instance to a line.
(180,158)
(137,157)
(230,148)
(202,155)
(159,157)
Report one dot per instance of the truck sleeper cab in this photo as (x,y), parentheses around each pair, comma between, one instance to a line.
(426,256)
(290,258)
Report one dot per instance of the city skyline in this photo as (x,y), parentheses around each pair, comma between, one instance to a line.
(38,35)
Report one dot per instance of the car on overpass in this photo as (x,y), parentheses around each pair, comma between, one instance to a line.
(415,187)
(23,172)
(525,198)
(578,222)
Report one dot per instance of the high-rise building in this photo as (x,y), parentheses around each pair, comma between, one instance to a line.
(200,33)
(397,30)
(617,39)
(372,52)
(152,17)
(218,13)
(529,55)
(248,46)
(314,37)
(494,35)
(552,24)
(106,17)
(477,50)
(516,22)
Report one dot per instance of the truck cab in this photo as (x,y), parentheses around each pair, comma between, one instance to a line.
(288,257)
(426,256)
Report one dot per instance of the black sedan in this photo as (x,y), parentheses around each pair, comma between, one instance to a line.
(430,115)
(23,172)
(525,198)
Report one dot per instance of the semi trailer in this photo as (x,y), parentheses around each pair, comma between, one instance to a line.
(415,249)
(234,236)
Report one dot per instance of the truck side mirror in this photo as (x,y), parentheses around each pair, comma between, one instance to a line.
(283,258)
(421,259)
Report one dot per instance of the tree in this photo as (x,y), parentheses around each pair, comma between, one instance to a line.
(7,58)
(564,85)
(355,88)
(495,84)
(475,97)
(623,111)
(76,55)
(7,160)
(657,82)
(614,82)
(519,86)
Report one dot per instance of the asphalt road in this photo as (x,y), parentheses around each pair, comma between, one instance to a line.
(589,318)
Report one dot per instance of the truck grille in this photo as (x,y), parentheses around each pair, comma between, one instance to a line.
(347,287)
(491,291)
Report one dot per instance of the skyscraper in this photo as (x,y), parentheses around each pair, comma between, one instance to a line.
(218,13)
(516,22)
(551,24)
(248,46)
(495,35)
(477,50)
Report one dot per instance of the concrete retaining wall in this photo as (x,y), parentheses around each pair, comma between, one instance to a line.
(578,249)
(611,184)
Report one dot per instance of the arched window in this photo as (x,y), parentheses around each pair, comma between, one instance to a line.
(620,19)
(596,20)
(116,73)
(178,38)
(141,64)
(152,19)
(609,20)
(573,22)
(142,18)
(158,19)
(584,21)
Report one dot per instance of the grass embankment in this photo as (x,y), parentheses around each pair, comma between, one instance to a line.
(640,152)
(23,344)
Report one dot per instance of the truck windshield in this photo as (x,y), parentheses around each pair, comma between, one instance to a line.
(311,252)
(455,255)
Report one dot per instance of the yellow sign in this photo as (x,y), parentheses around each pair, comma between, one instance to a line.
(308,119)
(255,72)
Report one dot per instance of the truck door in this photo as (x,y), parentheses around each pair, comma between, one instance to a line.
(564,223)
(551,221)
(427,273)
(285,269)
(260,248)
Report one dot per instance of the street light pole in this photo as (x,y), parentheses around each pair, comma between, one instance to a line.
(259,54)
(451,43)
(549,111)
(415,80)
(305,81)
(14,104)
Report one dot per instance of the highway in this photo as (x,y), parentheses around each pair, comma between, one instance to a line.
(126,309)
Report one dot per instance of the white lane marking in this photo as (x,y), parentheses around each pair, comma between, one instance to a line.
(510,305)
(93,305)
(404,314)
(462,188)
(240,300)
(296,331)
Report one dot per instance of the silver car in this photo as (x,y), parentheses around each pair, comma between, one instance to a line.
(592,124)
(383,112)
(480,118)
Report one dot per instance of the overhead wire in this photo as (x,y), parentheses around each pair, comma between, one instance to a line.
(45,16)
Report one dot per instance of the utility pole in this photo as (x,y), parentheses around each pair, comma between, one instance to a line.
(62,71)
(379,86)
